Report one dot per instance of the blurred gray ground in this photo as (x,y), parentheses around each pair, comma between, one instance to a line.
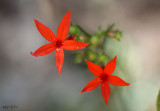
(33,83)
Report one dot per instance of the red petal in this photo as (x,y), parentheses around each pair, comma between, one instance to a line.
(44,50)
(64,27)
(94,68)
(74,45)
(93,84)
(110,67)
(45,31)
(105,89)
(59,58)
(114,80)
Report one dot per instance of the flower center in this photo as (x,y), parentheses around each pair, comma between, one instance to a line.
(104,77)
(59,44)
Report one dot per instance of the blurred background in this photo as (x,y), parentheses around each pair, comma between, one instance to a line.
(33,84)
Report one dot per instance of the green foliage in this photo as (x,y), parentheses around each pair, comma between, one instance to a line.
(158,101)
(95,51)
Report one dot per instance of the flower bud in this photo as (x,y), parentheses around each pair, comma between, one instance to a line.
(72,29)
(78,59)
(92,55)
(99,32)
(111,33)
(118,35)
(102,58)
(95,40)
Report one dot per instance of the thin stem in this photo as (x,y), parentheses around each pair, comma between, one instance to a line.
(82,30)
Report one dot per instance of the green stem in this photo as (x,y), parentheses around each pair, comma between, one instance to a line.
(82,30)
(110,28)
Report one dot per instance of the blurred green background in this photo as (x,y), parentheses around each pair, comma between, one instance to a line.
(33,84)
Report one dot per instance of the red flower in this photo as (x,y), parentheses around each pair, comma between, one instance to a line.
(59,42)
(104,77)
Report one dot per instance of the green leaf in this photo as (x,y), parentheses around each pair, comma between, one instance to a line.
(158,101)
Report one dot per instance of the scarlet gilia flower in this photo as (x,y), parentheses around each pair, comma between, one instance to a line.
(57,43)
(104,77)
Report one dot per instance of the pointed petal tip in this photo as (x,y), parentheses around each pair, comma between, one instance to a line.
(87,61)
(69,11)
(107,104)
(59,72)
(33,54)
(106,101)
(34,19)
(127,84)
(87,44)
(115,57)
(83,90)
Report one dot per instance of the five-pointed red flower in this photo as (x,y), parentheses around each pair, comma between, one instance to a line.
(104,77)
(59,42)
